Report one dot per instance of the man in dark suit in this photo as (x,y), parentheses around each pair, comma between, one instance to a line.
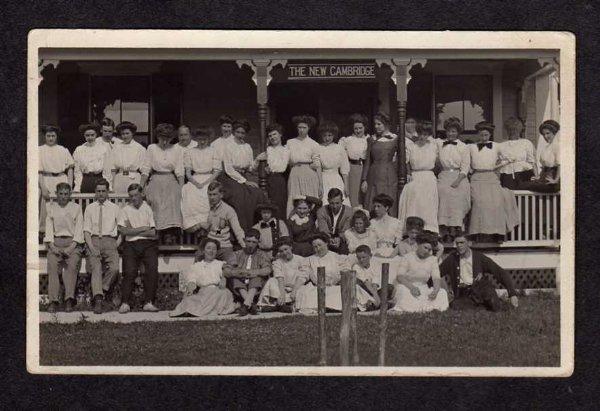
(334,219)
(465,271)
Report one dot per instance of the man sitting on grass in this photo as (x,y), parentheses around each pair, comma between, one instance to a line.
(247,271)
(465,270)
(290,272)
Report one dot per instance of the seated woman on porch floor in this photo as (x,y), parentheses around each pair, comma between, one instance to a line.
(203,285)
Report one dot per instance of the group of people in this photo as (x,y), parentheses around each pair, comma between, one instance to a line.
(327,204)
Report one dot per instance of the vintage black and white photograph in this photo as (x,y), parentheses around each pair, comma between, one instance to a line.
(301,203)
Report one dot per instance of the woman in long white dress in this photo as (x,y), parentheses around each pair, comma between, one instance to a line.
(203,285)
(306,297)
(334,163)
(125,159)
(412,293)
(356,150)
(419,197)
(202,167)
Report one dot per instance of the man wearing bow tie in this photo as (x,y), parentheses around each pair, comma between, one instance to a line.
(334,219)
(270,228)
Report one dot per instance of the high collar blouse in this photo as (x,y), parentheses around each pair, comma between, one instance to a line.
(422,157)
(521,152)
(278,158)
(303,151)
(550,154)
(333,157)
(356,147)
(54,159)
(163,160)
(333,263)
(128,156)
(202,161)
(89,159)
(455,157)
(203,274)
(235,157)
(486,158)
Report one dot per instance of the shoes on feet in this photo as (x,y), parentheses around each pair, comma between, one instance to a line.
(69,305)
(98,304)
(52,307)
(286,308)
(124,308)
(243,310)
(253,310)
(150,307)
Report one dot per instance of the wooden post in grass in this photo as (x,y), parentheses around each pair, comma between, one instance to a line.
(355,359)
(321,310)
(385,274)
(348,290)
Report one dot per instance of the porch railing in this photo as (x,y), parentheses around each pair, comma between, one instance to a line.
(539,226)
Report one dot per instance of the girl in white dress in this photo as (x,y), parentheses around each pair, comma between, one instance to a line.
(203,285)
(521,154)
(306,297)
(453,185)
(334,163)
(55,166)
(125,159)
(388,233)
(494,209)
(412,293)
(305,173)
(163,166)
(356,150)
(419,197)
(90,159)
(360,232)
(202,167)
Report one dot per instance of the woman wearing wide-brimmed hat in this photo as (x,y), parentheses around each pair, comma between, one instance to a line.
(494,211)
(163,172)
(90,159)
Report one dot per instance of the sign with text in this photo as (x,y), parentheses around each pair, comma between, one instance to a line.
(330,71)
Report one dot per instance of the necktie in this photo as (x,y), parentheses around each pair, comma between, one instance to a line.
(100,222)
(452,143)
(480,146)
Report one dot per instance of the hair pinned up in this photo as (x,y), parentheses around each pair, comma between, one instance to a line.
(225,119)
(274,127)
(164,130)
(551,125)
(453,123)
(485,125)
(384,118)
(126,125)
(241,124)
(359,118)
(310,121)
(328,127)
(48,128)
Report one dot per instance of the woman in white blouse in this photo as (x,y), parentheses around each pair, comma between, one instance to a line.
(125,159)
(163,167)
(277,157)
(419,197)
(334,163)
(306,296)
(360,233)
(494,208)
(238,161)
(55,166)
(520,152)
(202,167)
(356,150)
(549,156)
(454,190)
(305,174)
(203,285)
(90,159)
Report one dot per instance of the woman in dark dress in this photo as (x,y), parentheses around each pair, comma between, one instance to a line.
(302,224)
(380,170)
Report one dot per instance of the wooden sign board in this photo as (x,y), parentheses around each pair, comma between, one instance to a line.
(330,71)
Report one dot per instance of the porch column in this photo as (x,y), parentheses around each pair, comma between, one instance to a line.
(262,78)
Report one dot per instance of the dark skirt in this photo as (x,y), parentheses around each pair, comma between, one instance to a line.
(243,198)
(277,190)
(541,185)
(517,181)
(88,182)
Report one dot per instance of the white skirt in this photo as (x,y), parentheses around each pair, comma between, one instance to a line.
(333,179)
(121,183)
(270,293)
(194,202)
(406,302)
(419,198)
(306,298)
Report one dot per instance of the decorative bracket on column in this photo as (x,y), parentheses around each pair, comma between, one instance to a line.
(42,64)
(261,68)
(408,63)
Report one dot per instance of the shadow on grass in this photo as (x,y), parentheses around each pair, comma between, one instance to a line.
(526,337)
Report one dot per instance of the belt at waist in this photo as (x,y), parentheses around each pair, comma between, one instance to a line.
(451,169)
(162,173)
(92,174)
(358,162)
(422,169)
(302,163)
(105,236)
(202,174)
(48,174)
(549,169)
(123,171)
(63,236)
(483,171)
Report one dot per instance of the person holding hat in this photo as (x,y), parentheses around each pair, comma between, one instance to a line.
(290,272)
(521,154)
(55,166)
(380,170)
(305,173)
(356,150)
(90,159)
(302,224)
(494,209)
(238,162)
(202,167)
(306,297)
(420,196)
(107,137)
(163,172)
(277,157)
(454,190)
(549,158)
(270,227)
(125,160)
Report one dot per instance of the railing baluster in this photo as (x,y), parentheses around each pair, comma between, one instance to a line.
(526,225)
(541,200)
(554,217)
(547,221)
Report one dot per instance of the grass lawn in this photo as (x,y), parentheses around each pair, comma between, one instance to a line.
(526,337)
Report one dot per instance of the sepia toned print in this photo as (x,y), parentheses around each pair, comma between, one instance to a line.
(264,203)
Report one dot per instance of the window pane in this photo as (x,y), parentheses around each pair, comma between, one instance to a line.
(137,113)
(122,98)
(467,97)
